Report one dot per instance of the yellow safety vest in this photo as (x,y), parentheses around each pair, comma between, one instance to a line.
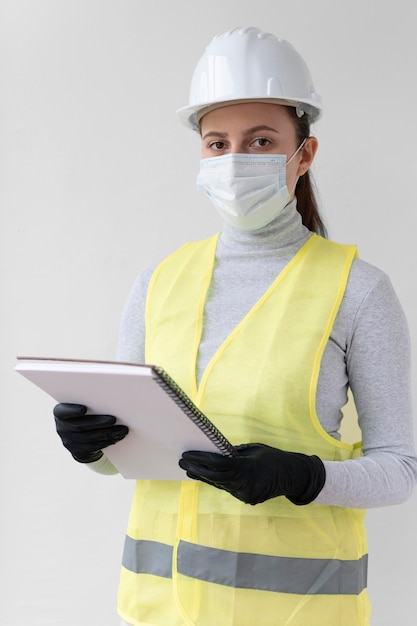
(194,555)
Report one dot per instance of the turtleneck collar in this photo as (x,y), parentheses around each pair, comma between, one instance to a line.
(284,231)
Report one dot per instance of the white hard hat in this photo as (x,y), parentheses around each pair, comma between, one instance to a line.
(248,64)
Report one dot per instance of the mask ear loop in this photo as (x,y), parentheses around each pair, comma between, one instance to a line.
(289,161)
(297,151)
(294,186)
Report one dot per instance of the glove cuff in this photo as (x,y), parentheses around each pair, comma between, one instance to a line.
(317,473)
(90,458)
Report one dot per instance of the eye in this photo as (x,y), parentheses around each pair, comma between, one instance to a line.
(217,145)
(261,142)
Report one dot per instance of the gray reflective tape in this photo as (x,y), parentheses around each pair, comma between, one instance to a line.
(271,573)
(249,571)
(147,557)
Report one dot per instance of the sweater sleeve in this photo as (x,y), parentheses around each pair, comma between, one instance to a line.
(131,346)
(378,369)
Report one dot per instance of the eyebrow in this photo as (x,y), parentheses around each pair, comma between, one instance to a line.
(249,131)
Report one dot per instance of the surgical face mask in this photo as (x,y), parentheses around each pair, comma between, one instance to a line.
(248,190)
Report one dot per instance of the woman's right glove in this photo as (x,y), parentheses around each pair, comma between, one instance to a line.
(86,435)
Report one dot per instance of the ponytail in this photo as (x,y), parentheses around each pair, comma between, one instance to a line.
(307,204)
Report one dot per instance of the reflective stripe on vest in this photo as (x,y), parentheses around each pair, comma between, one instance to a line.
(248,571)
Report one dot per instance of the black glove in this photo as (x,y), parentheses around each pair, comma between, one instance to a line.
(259,473)
(85,435)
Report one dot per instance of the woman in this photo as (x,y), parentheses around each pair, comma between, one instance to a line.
(265,327)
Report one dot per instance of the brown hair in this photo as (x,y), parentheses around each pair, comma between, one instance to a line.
(307,204)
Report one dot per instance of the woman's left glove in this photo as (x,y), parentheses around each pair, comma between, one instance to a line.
(258,473)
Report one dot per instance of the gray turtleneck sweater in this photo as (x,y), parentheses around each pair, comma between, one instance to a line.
(368,351)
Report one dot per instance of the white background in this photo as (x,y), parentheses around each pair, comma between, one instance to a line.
(98,182)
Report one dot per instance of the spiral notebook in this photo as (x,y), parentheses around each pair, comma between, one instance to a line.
(163,421)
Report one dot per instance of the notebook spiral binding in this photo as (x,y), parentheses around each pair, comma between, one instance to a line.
(190,409)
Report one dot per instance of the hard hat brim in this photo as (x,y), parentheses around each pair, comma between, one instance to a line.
(191,115)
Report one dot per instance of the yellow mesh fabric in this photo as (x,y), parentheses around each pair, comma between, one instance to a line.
(259,387)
